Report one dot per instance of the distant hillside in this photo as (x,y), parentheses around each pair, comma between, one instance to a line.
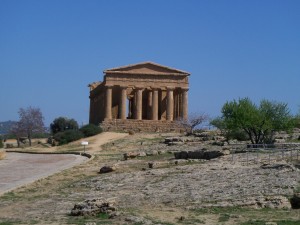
(6,126)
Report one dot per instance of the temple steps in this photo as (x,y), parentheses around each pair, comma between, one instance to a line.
(143,126)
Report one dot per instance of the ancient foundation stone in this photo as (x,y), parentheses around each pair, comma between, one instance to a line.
(200,154)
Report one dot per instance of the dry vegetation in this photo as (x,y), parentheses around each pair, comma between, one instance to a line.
(2,154)
(170,193)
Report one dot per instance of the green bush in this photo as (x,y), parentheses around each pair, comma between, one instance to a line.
(1,142)
(61,124)
(68,136)
(238,134)
(90,130)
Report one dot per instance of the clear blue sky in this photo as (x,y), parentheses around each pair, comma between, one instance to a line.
(51,50)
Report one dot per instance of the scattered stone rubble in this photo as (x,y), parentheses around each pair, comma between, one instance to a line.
(94,207)
(282,136)
(216,182)
(210,181)
(272,202)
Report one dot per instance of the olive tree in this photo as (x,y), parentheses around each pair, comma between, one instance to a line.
(259,122)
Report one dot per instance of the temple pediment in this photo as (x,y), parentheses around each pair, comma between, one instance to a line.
(147,68)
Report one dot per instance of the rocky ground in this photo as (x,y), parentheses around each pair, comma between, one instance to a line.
(248,188)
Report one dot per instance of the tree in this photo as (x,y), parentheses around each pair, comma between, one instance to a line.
(17,131)
(297,120)
(258,122)
(194,120)
(31,121)
(237,133)
(62,123)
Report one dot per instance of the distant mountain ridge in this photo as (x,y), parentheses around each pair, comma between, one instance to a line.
(6,126)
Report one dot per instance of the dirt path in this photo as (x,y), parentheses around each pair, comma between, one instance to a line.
(94,142)
(102,139)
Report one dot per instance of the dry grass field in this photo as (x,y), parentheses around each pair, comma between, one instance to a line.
(182,192)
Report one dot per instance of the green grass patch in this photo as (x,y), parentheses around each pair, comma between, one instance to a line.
(224,217)
(101,218)
(164,156)
(10,222)
(219,210)
(263,222)
(10,196)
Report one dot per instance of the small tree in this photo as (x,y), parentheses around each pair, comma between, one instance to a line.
(31,121)
(194,120)
(62,123)
(258,122)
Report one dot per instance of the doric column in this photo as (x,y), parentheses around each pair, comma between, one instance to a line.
(170,103)
(149,105)
(108,102)
(139,103)
(122,109)
(155,104)
(184,103)
(130,108)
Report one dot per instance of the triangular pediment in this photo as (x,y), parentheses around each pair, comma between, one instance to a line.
(146,68)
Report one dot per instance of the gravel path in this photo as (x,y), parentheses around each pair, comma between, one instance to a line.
(19,169)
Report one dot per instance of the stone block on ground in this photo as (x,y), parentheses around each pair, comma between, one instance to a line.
(130,155)
(107,169)
(295,201)
(94,207)
(200,154)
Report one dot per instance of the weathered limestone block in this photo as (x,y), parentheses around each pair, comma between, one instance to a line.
(200,154)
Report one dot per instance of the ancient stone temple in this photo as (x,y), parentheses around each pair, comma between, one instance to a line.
(140,97)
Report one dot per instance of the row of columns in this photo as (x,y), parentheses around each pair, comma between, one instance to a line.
(152,100)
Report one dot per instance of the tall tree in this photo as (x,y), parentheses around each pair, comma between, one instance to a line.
(31,121)
(258,122)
